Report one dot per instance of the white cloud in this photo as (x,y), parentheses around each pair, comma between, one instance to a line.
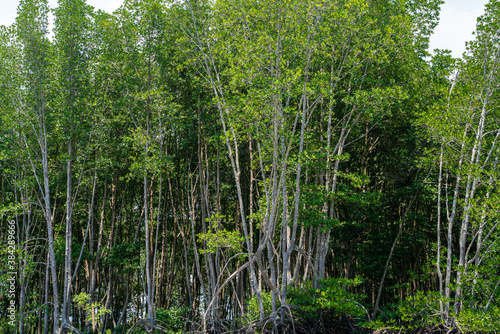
(8,12)
(456,25)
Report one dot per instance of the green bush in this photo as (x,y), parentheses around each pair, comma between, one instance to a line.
(95,311)
(173,319)
(421,309)
(332,295)
(415,311)
(474,321)
(253,306)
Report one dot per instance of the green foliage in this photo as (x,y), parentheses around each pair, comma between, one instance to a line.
(173,319)
(475,321)
(252,312)
(332,294)
(314,197)
(221,239)
(421,309)
(125,255)
(95,311)
(134,93)
(217,238)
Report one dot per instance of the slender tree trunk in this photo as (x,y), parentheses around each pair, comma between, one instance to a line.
(451,219)
(472,183)
(50,230)
(67,253)
(438,255)
(46,298)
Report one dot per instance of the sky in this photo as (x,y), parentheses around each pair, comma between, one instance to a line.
(457,21)
(456,24)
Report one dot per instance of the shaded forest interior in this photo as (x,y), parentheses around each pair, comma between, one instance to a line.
(249,167)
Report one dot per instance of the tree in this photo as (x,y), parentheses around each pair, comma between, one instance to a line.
(72,24)
(468,127)
(32,29)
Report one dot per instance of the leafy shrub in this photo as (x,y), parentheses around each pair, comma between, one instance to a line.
(332,295)
(421,309)
(95,311)
(172,319)
(474,321)
(217,237)
(253,306)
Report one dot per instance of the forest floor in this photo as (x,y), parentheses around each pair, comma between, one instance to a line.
(346,325)
(421,330)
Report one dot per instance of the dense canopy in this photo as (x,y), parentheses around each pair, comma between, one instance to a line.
(257,166)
